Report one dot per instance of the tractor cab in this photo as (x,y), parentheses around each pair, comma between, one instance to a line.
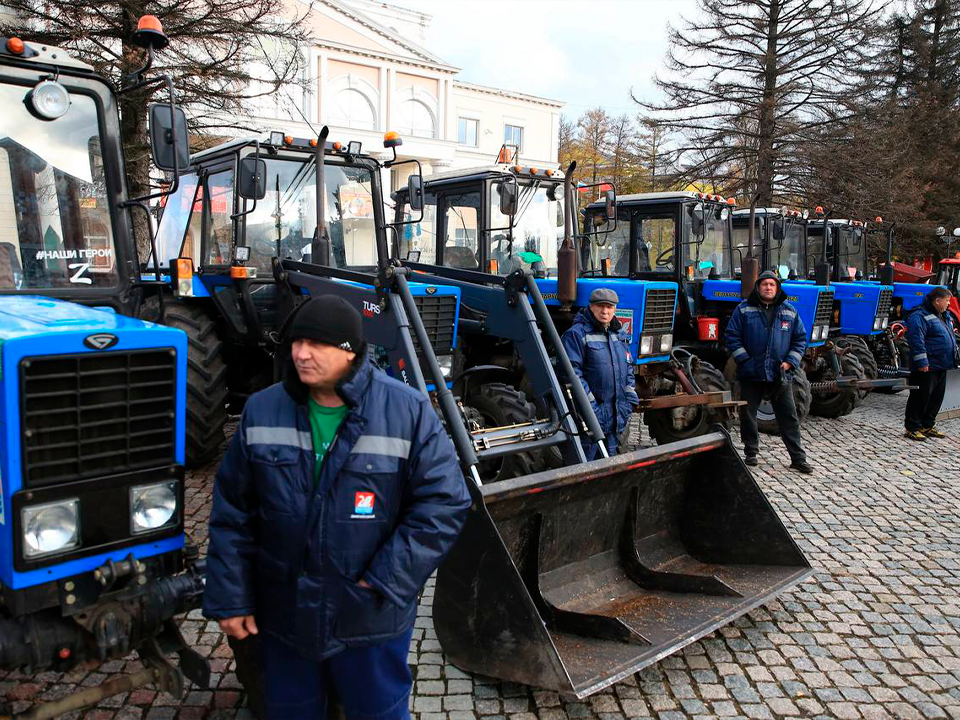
(246,202)
(496,218)
(863,307)
(62,182)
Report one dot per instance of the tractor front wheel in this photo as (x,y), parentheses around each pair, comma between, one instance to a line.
(840,402)
(672,424)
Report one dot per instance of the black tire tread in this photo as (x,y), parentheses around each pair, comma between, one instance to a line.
(843,402)
(206,377)
(505,405)
(660,424)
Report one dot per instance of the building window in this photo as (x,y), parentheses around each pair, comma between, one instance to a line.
(416,119)
(513,135)
(467,132)
(351,108)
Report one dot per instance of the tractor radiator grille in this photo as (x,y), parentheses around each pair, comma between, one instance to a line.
(439,314)
(658,312)
(96,414)
(884,304)
(824,308)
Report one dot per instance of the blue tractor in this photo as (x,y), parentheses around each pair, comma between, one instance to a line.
(94,562)
(687,238)
(507,218)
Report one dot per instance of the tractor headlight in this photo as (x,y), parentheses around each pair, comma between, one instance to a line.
(666,342)
(153,506)
(876,323)
(885,322)
(446,364)
(50,528)
(818,332)
(49,99)
(646,345)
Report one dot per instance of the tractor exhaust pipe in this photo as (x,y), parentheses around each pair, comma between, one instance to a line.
(886,272)
(567,256)
(821,271)
(750,266)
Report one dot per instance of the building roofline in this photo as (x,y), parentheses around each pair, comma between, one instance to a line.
(508,93)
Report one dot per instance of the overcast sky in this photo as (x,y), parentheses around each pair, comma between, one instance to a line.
(586,54)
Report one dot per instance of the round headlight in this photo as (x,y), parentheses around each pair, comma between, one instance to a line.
(50,528)
(50,99)
(153,506)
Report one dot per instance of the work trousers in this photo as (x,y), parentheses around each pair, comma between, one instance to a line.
(592,449)
(781,397)
(924,402)
(372,682)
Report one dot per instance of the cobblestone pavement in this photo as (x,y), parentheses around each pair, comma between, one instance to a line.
(875,633)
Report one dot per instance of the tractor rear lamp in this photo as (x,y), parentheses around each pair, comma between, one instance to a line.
(49,99)
(243,272)
(184,286)
(153,507)
(666,342)
(646,345)
(50,528)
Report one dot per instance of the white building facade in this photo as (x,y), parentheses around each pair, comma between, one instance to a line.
(368,73)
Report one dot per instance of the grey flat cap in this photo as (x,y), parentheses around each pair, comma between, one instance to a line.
(604,295)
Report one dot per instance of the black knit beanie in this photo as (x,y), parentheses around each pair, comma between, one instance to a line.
(768,275)
(328,319)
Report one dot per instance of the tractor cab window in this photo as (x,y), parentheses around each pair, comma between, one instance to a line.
(219,209)
(787,257)
(815,244)
(175,214)
(284,222)
(741,240)
(461,214)
(55,225)
(949,275)
(657,237)
(707,242)
(537,230)
(853,250)
(606,242)
(418,240)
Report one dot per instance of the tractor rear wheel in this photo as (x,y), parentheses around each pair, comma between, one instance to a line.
(206,376)
(499,405)
(672,424)
(840,402)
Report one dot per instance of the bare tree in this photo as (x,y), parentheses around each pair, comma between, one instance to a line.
(593,144)
(621,142)
(222,55)
(747,80)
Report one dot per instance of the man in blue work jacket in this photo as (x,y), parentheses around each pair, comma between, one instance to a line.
(339,495)
(767,339)
(933,353)
(599,351)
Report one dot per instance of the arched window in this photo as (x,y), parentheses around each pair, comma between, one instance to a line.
(352,103)
(416,119)
(416,112)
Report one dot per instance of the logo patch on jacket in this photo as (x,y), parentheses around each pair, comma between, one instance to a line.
(784,324)
(363,503)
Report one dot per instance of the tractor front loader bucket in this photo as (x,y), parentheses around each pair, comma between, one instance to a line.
(950,408)
(575,578)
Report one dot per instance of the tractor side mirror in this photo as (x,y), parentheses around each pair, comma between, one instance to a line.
(778,230)
(252,178)
(162,124)
(415,191)
(508,199)
(696,219)
(610,204)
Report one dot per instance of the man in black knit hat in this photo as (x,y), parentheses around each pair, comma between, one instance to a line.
(339,495)
(766,338)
